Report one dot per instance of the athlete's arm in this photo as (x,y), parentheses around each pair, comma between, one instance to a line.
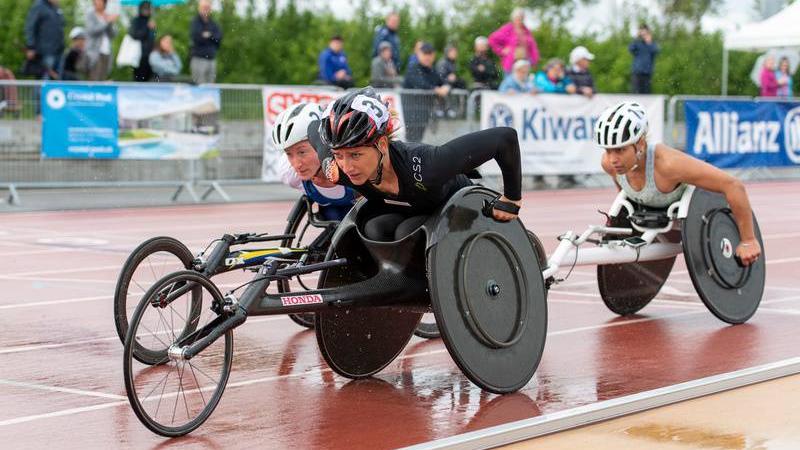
(468,152)
(678,167)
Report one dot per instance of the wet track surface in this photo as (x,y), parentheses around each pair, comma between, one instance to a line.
(61,362)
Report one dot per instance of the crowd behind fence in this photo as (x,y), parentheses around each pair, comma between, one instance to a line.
(430,118)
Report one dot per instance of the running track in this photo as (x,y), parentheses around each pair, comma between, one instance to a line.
(61,363)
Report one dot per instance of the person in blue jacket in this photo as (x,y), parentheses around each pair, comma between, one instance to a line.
(333,66)
(388,33)
(644,51)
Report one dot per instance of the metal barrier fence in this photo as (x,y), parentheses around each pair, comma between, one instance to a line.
(427,117)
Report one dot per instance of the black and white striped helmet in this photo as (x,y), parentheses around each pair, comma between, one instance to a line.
(620,125)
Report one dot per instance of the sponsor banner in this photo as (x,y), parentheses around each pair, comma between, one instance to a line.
(276,99)
(555,131)
(168,122)
(79,121)
(130,122)
(307,299)
(730,134)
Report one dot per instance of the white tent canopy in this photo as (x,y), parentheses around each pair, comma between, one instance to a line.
(779,30)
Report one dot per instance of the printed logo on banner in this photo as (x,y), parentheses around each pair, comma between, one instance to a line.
(791,134)
(501,116)
(56,99)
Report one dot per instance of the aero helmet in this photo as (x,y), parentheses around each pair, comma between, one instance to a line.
(291,126)
(355,119)
(620,125)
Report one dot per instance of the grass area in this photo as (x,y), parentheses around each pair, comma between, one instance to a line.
(136,134)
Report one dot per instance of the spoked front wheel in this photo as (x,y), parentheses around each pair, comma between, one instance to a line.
(148,263)
(177,395)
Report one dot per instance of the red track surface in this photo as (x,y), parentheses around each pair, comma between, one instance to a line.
(61,378)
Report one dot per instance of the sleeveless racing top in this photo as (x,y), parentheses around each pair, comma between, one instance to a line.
(344,196)
(650,195)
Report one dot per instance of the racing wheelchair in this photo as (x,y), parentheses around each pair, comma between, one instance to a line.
(481,278)
(638,246)
(485,281)
(161,255)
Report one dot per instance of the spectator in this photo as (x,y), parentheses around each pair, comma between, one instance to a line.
(143,29)
(514,41)
(519,80)
(333,66)
(413,58)
(8,94)
(448,68)
(482,67)
(383,71)
(44,39)
(99,32)
(644,52)
(579,59)
(552,79)
(206,38)
(388,33)
(76,64)
(418,107)
(784,77)
(164,61)
(769,82)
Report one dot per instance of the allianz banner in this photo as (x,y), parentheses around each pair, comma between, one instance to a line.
(141,121)
(276,99)
(731,134)
(555,131)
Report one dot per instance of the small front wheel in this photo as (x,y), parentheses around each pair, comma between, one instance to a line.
(178,394)
(148,263)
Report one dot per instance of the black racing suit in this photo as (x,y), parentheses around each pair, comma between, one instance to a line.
(428,175)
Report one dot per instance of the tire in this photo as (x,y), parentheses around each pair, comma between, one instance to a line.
(299,212)
(217,357)
(122,295)
(427,328)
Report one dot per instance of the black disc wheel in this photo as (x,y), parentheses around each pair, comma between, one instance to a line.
(178,394)
(147,264)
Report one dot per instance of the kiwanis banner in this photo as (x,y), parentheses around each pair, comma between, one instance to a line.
(555,131)
(278,98)
(733,134)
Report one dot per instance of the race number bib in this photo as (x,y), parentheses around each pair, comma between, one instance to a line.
(376,110)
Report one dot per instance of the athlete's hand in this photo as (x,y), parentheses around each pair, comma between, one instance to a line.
(505,216)
(748,251)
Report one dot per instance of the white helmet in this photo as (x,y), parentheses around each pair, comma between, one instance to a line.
(620,125)
(291,126)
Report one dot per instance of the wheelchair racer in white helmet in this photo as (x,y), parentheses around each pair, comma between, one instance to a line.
(300,167)
(655,175)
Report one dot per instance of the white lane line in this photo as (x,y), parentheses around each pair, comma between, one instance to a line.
(55,302)
(31,348)
(62,271)
(770,262)
(42,387)
(63,412)
(40,252)
(73,411)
